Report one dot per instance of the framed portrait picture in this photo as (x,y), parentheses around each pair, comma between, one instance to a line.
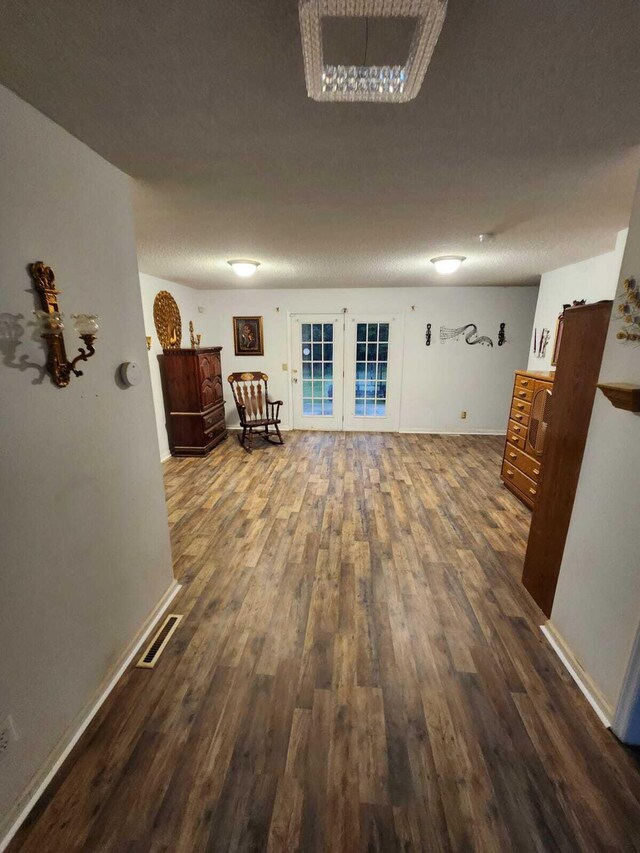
(247,336)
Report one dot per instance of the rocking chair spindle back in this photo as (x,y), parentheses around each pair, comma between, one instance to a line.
(256,411)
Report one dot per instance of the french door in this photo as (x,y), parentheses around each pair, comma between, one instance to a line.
(316,375)
(372,372)
(346,372)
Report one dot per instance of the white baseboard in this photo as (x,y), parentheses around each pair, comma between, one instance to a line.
(587,688)
(163,459)
(452,432)
(42,779)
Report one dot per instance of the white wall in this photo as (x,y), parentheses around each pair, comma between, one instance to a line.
(597,603)
(439,382)
(593,280)
(187,300)
(85,552)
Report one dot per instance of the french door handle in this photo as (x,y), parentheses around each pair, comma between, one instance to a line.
(295,379)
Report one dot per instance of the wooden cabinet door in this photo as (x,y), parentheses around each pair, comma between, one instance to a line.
(210,380)
(541,405)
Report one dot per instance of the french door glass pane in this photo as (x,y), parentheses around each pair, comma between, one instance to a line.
(317,365)
(372,353)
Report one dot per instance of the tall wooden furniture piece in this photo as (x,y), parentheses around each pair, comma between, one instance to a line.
(583,339)
(192,387)
(526,431)
(256,411)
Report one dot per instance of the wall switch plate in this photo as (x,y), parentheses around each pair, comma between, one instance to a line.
(463,415)
(285,366)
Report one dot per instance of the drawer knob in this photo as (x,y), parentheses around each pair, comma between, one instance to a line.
(523,394)
(510,473)
(520,406)
(524,382)
(512,456)
(519,417)
(536,471)
(533,491)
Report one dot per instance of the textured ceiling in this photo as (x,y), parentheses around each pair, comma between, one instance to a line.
(527,125)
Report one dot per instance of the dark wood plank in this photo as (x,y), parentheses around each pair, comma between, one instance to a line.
(358,668)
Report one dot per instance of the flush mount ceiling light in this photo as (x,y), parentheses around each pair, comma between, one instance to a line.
(377,83)
(245,269)
(446,264)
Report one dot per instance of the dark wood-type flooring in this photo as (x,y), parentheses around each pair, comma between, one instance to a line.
(359,668)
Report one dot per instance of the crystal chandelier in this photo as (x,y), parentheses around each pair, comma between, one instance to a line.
(383,83)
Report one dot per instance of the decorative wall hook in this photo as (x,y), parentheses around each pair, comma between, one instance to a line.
(51,325)
(427,337)
(501,337)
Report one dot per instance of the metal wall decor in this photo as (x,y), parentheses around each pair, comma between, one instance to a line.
(427,337)
(51,325)
(470,332)
(540,342)
(501,335)
(628,311)
(168,323)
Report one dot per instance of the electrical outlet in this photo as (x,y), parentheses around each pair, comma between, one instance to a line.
(463,415)
(8,735)
(285,366)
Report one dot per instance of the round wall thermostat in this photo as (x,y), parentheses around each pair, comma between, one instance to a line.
(130,373)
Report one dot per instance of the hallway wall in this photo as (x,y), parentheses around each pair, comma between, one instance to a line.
(597,603)
(85,554)
(592,279)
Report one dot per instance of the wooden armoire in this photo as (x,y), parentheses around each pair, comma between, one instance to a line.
(193,396)
(583,338)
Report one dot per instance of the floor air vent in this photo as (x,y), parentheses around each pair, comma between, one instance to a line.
(155,648)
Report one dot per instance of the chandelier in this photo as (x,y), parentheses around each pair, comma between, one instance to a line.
(375,83)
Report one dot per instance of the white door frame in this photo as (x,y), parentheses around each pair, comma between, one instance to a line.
(321,422)
(390,421)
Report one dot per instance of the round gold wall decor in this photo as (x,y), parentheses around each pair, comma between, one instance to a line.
(166,316)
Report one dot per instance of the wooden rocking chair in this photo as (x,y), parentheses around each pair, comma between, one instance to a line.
(257,412)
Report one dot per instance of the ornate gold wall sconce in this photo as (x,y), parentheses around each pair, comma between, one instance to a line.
(51,325)
(195,339)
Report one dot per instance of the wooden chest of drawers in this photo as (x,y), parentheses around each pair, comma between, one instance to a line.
(526,429)
(192,387)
